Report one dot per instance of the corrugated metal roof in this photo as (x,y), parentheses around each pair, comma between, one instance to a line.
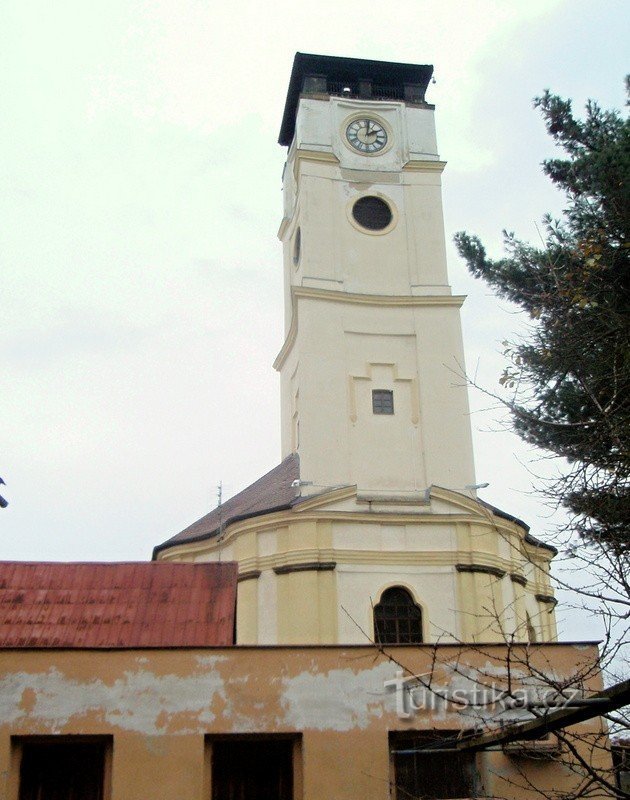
(117,605)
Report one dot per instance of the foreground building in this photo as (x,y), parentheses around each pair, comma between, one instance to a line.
(356,622)
(121,682)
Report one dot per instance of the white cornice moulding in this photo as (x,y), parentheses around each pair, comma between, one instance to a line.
(424,165)
(334,296)
(405,498)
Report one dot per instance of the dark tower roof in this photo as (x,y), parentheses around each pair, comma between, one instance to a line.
(364,78)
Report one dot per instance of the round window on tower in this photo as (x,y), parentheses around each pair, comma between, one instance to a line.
(373,214)
(297,246)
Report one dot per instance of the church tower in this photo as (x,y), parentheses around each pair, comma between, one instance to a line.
(372,366)
(370,527)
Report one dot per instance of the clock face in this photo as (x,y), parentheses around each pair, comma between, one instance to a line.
(366,135)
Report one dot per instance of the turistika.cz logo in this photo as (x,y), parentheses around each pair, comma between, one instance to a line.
(417,693)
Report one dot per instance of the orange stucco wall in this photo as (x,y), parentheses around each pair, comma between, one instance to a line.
(163,706)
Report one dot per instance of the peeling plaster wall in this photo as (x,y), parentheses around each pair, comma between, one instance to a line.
(159,705)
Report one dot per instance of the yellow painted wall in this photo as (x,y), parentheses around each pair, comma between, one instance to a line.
(160,705)
(341,555)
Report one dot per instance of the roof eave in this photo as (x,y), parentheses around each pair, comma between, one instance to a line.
(342,69)
(200,537)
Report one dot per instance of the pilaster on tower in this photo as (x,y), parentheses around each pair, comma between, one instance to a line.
(372,365)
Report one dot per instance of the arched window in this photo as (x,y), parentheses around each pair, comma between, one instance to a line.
(397,619)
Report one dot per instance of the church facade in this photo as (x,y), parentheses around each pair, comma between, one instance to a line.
(372,514)
(357,622)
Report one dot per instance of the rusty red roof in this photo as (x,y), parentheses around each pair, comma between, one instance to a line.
(273,492)
(117,605)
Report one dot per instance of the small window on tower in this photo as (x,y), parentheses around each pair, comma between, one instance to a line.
(297,247)
(372,213)
(382,401)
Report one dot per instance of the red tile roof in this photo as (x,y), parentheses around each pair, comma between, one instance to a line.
(272,492)
(117,605)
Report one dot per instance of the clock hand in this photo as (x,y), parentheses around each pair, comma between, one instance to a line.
(367,127)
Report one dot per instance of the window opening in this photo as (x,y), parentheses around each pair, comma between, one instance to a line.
(56,770)
(397,618)
(254,769)
(531,631)
(372,213)
(426,765)
(297,247)
(382,401)
(621,764)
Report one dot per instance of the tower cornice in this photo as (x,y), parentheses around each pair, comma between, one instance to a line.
(424,166)
(335,296)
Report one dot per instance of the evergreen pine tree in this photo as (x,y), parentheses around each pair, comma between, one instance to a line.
(571,374)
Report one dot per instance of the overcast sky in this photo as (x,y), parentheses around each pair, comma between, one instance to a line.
(141,291)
